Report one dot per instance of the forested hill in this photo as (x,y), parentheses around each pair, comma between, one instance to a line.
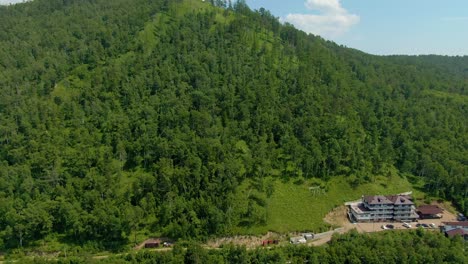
(121,115)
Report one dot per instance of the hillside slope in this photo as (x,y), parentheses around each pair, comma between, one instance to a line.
(122,115)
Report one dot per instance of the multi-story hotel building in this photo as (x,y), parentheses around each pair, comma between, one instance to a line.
(383,208)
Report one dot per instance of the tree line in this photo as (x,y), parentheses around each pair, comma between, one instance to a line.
(384,247)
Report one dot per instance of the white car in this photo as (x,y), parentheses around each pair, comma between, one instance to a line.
(406,225)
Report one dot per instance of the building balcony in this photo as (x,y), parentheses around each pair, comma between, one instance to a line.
(383,215)
(382,212)
(373,207)
(404,205)
(402,211)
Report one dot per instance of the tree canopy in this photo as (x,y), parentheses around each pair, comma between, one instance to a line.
(122,115)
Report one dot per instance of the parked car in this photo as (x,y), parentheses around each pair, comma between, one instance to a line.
(388,227)
(308,236)
(406,225)
(461,217)
(432,225)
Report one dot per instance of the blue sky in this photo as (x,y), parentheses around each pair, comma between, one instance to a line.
(5,2)
(380,26)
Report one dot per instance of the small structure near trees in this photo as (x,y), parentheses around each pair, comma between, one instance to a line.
(270,242)
(316,190)
(152,243)
(308,236)
(297,240)
(429,212)
(452,229)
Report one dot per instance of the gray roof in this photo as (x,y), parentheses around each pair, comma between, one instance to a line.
(429,209)
(457,231)
(461,223)
(400,199)
(389,199)
(377,199)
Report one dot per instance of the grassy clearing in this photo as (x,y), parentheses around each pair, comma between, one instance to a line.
(447,96)
(187,6)
(293,207)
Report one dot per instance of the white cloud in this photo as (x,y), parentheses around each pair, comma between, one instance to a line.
(331,21)
(6,2)
(327,6)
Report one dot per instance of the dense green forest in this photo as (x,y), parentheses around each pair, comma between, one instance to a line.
(416,246)
(127,115)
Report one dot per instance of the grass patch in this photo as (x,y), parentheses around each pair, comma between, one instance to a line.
(293,207)
(452,98)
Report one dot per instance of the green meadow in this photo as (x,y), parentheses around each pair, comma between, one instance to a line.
(294,206)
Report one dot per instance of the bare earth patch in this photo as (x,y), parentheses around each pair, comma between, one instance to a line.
(247,241)
(337,216)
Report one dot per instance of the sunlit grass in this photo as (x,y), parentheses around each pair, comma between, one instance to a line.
(293,207)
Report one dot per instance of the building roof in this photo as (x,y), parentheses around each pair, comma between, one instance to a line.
(153,240)
(360,208)
(461,223)
(429,209)
(377,199)
(458,231)
(389,199)
(400,199)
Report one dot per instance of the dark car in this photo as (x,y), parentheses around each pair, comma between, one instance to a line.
(461,217)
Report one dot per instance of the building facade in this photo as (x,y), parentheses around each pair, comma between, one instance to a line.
(456,225)
(377,208)
(452,229)
(429,212)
